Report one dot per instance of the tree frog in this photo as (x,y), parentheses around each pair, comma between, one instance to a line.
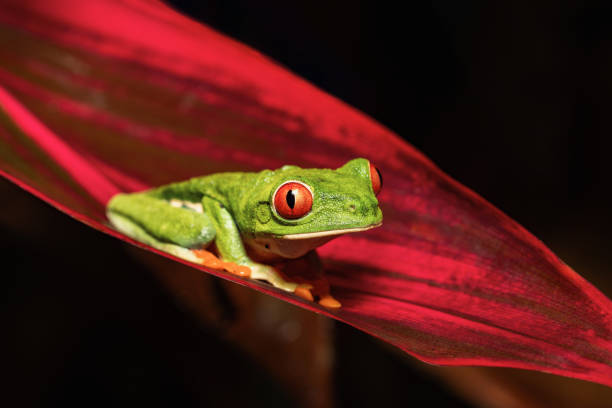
(254,220)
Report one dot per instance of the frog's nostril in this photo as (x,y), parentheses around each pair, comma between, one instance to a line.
(350,206)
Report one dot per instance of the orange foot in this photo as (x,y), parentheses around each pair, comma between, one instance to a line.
(307,289)
(209,259)
(303,291)
(329,302)
(319,292)
(315,288)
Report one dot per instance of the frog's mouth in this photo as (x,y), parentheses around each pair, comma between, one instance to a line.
(321,234)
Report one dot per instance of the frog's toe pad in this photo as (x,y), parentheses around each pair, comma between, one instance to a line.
(329,302)
(209,259)
(303,291)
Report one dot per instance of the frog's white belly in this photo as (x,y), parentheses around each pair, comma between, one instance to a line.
(294,245)
(270,248)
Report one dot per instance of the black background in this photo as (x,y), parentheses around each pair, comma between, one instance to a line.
(511,98)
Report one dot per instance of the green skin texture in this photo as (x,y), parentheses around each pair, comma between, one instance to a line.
(237,208)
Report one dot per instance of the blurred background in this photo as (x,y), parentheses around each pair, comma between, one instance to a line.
(513,99)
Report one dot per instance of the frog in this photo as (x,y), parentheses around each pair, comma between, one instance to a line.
(247,223)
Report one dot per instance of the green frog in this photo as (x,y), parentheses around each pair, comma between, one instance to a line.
(255,220)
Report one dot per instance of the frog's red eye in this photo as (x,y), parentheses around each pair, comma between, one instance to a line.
(376,179)
(293,200)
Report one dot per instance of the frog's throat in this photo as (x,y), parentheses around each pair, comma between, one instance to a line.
(291,246)
(321,234)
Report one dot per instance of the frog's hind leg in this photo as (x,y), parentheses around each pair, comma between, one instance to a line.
(172,228)
(133,230)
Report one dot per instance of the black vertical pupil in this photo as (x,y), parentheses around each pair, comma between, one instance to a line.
(290,199)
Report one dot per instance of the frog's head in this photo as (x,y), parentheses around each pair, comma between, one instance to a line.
(291,211)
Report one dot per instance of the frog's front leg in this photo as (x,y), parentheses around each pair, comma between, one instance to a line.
(309,270)
(320,282)
(231,248)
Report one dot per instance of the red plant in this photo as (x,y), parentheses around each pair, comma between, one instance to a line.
(108,96)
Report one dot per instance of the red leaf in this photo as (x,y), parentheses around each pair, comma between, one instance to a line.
(105,96)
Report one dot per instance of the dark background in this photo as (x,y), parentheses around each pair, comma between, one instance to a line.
(510,98)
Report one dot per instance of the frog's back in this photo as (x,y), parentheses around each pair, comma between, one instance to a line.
(222,187)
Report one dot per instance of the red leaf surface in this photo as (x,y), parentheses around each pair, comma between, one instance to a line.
(107,96)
